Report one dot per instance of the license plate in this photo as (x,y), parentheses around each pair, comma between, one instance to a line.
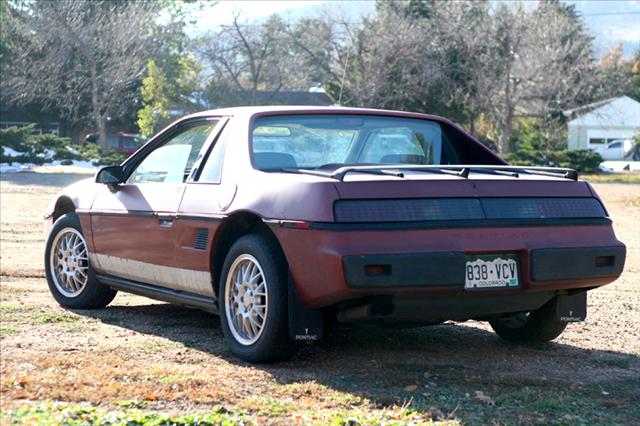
(491,271)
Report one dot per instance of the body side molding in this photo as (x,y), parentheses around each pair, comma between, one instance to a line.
(192,300)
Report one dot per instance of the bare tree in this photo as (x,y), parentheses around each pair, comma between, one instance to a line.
(387,62)
(535,64)
(79,52)
(249,57)
(468,60)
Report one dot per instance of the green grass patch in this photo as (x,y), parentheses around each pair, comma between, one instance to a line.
(628,177)
(7,330)
(176,378)
(7,308)
(77,326)
(52,318)
(23,315)
(78,415)
(270,407)
(132,413)
(156,346)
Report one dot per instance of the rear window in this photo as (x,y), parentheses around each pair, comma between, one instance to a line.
(314,141)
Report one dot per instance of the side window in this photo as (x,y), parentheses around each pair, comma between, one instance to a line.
(212,170)
(172,162)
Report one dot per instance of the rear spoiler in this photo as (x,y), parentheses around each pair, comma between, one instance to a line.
(457,170)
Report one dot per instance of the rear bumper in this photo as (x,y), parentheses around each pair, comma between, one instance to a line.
(327,266)
(448,268)
(556,264)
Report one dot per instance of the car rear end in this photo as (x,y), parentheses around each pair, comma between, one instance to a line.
(426,223)
(430,247)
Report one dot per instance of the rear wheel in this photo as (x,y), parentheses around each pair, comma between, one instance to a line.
(541,325)
(253,300)
(71,279)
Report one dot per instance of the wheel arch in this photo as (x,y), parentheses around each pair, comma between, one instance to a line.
(230,230)
(63,205)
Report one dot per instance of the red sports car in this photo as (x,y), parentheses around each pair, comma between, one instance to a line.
(284,219)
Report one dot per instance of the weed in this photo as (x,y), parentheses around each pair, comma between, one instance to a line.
(7,330)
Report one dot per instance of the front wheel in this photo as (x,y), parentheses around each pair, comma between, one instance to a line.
(541,325)
(253,300)
(71,279)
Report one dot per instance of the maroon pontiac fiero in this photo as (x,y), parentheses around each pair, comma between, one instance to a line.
(284,219)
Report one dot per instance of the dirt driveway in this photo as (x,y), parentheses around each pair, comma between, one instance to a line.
(150,361)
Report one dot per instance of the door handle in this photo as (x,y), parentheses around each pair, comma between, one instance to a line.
(165,221)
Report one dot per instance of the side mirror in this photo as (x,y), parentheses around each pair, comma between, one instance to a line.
(110,175)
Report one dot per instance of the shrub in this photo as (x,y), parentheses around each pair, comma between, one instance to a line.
(582,160)
(111,159)
(535,135)
(16,137)
(92,152)
(38,149)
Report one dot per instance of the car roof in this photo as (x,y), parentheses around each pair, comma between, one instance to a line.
(296,109)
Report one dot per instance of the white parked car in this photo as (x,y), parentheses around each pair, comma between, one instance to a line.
(614,150)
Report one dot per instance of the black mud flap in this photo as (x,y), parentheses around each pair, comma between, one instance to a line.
(304,324)
(572,308)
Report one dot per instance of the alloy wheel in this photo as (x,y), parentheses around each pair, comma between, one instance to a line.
(69,262)
(246,300)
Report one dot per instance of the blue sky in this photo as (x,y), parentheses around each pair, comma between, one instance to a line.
(610,21)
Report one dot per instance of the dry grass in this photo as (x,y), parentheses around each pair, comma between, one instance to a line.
(140,360)
(626,177)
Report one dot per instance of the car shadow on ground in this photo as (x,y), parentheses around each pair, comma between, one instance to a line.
(380,363)
(443,371)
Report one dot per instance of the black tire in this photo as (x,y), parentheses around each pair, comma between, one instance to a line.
(272,342)
(92,295)
(541,325)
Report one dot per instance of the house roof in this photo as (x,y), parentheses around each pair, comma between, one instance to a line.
(289,97)
(618,112)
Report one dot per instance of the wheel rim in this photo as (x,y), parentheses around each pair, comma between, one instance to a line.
(246,300)
(69,262)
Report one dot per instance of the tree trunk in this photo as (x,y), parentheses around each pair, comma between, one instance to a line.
(98,117)
(505,134)
(101,124)
(472,125)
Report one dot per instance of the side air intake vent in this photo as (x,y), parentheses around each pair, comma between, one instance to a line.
(202,235)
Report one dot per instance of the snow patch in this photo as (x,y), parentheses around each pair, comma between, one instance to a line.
(77,166)
(620,166)
(16,168)
(10,152)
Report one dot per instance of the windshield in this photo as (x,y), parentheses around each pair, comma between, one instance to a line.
(313,141)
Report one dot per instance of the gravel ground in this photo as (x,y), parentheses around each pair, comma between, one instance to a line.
(140,354)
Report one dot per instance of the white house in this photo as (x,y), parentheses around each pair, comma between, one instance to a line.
(611,120)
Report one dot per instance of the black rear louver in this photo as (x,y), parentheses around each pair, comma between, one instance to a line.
(202,236)
(438,209)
